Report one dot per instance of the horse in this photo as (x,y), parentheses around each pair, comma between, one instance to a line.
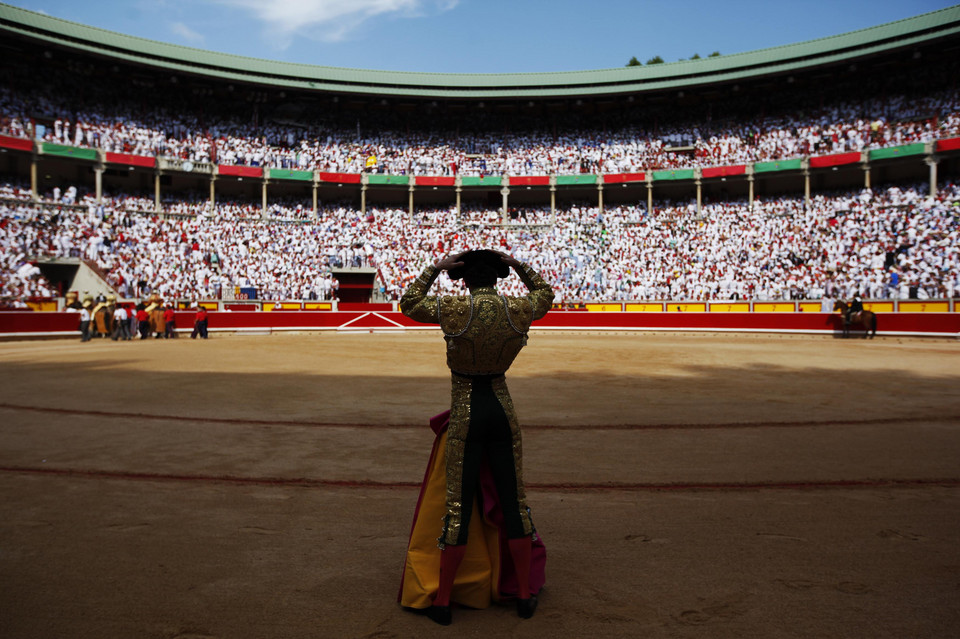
(865,319)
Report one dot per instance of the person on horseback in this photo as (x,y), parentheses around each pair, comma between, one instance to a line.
(856,306)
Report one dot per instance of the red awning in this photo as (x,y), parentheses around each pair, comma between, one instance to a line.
(838,159)
(621,178)
(724,171)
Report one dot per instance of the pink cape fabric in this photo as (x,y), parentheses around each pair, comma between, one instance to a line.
(413,586)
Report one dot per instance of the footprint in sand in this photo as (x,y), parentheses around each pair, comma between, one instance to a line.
(256,530)
(126,527)
(892,533)
(637,538)
(710,614)
(848,587)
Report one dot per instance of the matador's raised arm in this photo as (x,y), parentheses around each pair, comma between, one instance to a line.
(416,304)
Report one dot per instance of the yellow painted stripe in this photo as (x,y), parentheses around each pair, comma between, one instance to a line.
(318,306)
(686,308)
(773,307)
(644,308)
(605,308)
(43,306)
(810,307)
(735,307)
(924,307)
(878,307)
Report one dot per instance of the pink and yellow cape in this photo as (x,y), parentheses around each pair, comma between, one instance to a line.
(487,573)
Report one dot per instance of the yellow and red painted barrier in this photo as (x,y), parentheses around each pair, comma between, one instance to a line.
(920,323)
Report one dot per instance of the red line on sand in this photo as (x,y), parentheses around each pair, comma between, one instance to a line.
(301,482)
(282,422)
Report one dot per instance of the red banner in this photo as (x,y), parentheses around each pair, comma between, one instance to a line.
(131,160)
(834,160)
(433,180)
(951,144)
(529,180)
(20,144)
(342,178)
(724,171)
(621,178)
(240,171)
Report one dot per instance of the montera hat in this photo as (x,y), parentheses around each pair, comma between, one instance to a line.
(483,256)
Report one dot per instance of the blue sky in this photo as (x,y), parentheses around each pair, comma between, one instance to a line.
(480,36)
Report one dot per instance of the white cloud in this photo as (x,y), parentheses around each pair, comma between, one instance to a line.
(186,33)
(329,20)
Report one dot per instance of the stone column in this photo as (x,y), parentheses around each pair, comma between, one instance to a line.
(505,192)
(156,190)
(316,215)
(600,193)
(750,181)
(213,192)
(98,180)
(363,194)
(649,179)
(932,162)
(263,196)
(553,199)
(806,188)
(412,186)
(459,192)
(33,177)
(699,182)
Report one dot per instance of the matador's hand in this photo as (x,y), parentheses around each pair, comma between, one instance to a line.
(449,262)
(509,260)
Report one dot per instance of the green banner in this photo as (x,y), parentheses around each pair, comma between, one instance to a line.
(377,178)
(584,178)
(917,148)
(677,174)
(781,165)
(75,152)
(290,174)
(490,180)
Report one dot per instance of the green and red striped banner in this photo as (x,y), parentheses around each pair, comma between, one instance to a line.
(434,180)
(489,180)
(724,171)
(340,178)
(529,180)
(131,160)
(950,144)
(622,178)
(380,179)
(676,174)
(779,165)
(62,150)
(838,159)
(290,174)
(239,171)
(19,144)
(904,150)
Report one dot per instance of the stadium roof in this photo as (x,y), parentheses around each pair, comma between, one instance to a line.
(883,39)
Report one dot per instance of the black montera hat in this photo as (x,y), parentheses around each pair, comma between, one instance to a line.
(482,256)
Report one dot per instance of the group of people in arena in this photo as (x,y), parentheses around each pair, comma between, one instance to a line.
(884,243)
(92,114)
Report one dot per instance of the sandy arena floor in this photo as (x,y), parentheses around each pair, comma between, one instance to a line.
(685,486)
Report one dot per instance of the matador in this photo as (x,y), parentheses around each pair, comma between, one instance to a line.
(484,332)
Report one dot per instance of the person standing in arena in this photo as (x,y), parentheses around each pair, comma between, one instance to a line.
(484,332)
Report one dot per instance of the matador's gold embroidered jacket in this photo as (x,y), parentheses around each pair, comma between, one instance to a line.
(484,332)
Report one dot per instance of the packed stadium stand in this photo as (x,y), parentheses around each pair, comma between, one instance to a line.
(814,170)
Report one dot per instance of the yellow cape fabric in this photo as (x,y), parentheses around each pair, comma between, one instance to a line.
(477,581)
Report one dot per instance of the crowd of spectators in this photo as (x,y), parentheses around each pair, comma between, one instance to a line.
(884,243)
(138,121)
